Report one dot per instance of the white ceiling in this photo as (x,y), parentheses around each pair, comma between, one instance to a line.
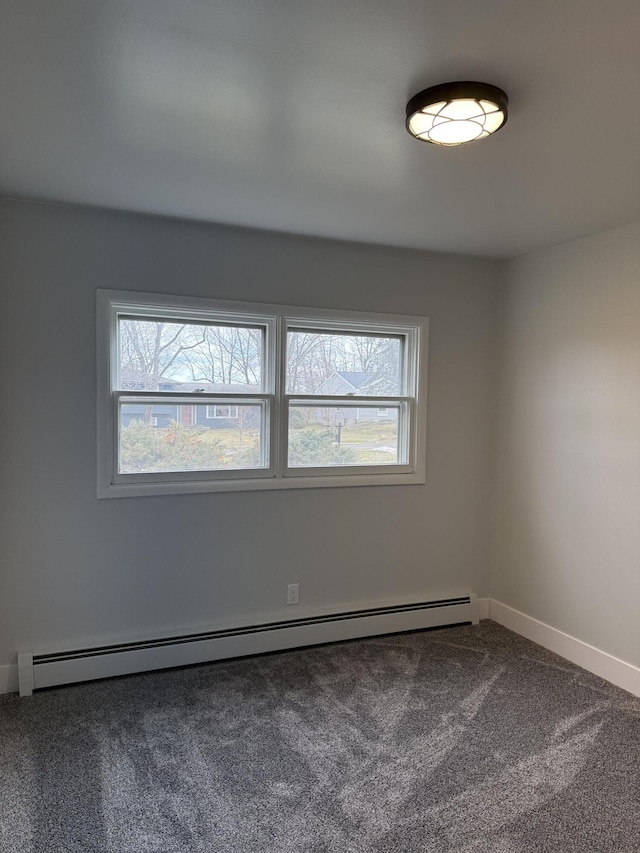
(289,115)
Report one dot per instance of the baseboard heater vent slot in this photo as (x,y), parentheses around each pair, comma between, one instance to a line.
(66,667)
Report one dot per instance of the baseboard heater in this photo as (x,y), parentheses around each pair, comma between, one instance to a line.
(67,667)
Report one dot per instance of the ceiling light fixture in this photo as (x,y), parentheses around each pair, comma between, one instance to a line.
(455,113)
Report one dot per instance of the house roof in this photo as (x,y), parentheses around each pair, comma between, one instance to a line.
(354,378)
(217,388)
(208,387)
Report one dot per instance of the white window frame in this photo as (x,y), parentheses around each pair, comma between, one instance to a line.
(276,320)
(215,417)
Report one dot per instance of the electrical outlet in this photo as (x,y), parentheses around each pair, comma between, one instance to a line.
(293,593)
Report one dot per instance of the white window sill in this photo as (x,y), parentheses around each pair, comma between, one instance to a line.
(331,481)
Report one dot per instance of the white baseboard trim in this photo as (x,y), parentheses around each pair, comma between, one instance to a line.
(483,605)
(618,672)
(8,678)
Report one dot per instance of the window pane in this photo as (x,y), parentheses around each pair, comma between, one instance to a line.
(174,437)
(348,435)
(326,363)
(156,355)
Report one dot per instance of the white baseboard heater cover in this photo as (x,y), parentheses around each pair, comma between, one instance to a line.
(67,667)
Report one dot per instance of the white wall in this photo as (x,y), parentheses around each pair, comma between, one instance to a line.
(79,571)
(567,521)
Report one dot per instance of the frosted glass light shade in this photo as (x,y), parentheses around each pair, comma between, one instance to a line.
(455,113)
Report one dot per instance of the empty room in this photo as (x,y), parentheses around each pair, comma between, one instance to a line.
(320,426)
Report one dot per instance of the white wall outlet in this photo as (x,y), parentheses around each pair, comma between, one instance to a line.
(293,593)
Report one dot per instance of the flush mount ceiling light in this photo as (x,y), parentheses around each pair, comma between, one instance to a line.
(455,113)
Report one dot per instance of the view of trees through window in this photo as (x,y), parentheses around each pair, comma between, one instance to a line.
(328,363)
(154,352)
(188,358)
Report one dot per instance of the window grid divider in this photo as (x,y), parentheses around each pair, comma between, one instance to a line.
(191,398)
(345,401)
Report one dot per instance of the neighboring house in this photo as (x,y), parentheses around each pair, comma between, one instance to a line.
(343,382)
(199,413)
(351,383)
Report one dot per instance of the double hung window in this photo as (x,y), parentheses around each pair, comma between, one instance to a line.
(201,395)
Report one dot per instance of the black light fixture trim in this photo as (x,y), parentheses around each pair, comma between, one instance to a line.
(460,90)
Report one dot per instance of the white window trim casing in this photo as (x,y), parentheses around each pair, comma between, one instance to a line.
(277,320)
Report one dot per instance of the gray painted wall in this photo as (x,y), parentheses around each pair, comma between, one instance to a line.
(78,571)
(567,524)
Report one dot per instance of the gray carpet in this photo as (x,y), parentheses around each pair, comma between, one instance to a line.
(465,739)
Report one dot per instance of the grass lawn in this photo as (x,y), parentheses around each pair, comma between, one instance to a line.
(370,433)
(232,440)
(374,457)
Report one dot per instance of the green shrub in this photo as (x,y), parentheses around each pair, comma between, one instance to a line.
(297,419)
(144,448)
(318,447)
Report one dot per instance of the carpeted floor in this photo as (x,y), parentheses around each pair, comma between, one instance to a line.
(467,739)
